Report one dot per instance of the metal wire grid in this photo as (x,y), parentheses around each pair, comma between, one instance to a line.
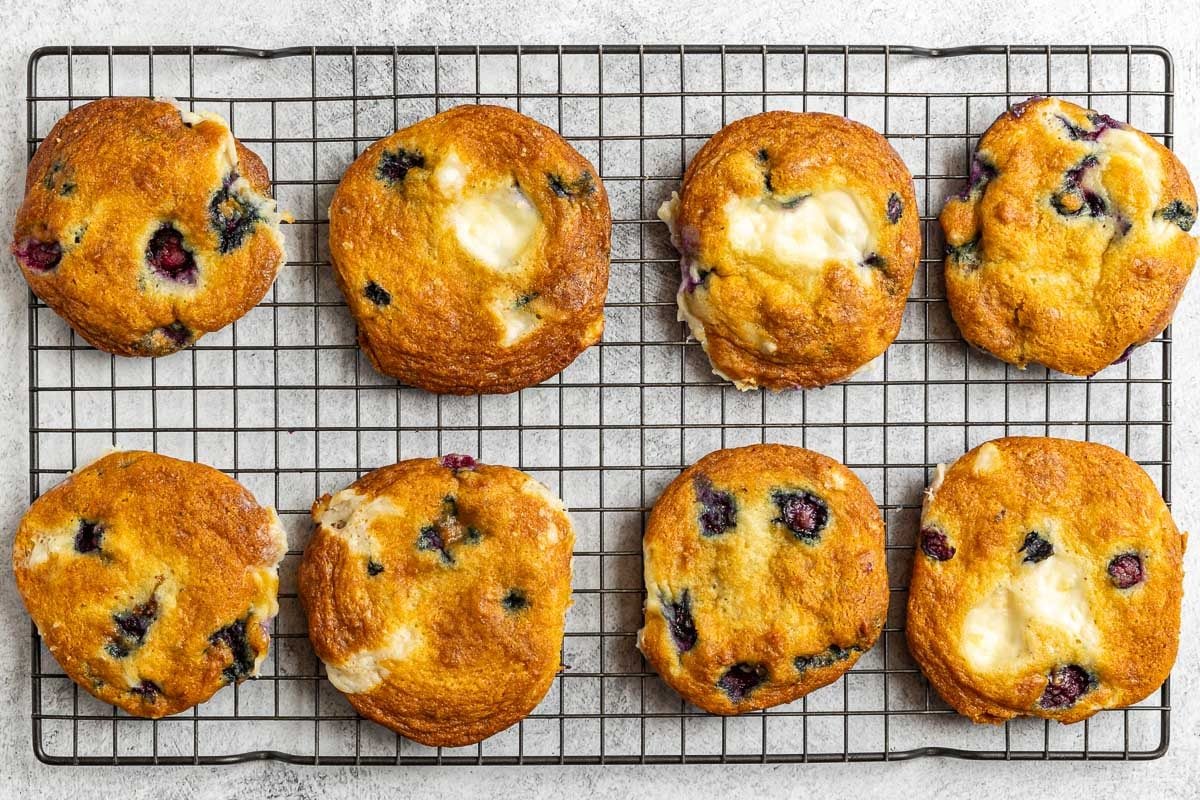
(284,402)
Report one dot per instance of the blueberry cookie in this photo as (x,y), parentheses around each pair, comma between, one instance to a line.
(145,226)
(798,237)
(151,580)
(436,593)
(1047,581)
(765,577)
(1070,244)
(472,248)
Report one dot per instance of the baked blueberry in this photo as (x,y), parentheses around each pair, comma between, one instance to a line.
(935,545)
(88,536)
(395,164)
(233,637)
(377,294)
(457,461)
(177,333)
(741,679)
(1180,213)
(231,215)
(965,254)
(895,208)
(826,658)
(132,626)
(146,690)
(430,538)
(718,509)
(515,600)
(1065,685)
(581,186)
(1035,548)
(678,614)
(374,567)
(982,172)
(169,258)
(36,255)
(802,513)
(1126,570)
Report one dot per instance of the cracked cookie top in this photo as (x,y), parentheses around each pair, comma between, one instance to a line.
(799,236)
(1070,244)
(151,580)
(765,577)
(472,248)
(145,226)
(436,592)
(1047,581)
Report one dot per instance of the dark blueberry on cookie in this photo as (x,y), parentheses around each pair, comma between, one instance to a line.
(395,164)
(1065,685)
(895,208)
(580,187)
(678,615)
(147,690)
(525,300)
(36,255)
(430,538)
(457,461)
(741,679)
(514,601)
(374,567)
(1126,570)
(1180,213)
(1100,124)
(1035,548)
(1018,109)
(965,254)
(874,261)
(132,627)
(982,171)
(176,332)
(233,637)
(718,512)
(88,536)
(377,294)
(231,216)
(802,513)
(935,545)
(826,658)
(169,258)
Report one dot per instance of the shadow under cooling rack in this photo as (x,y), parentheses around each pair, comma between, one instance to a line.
(283,401)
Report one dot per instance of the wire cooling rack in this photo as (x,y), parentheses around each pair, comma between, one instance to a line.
(283,400)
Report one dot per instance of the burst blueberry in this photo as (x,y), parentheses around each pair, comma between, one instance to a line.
(169,258)
(935,545)
(149,691)
(802,513)
(580,187)
(895,208)
(395,164)
(88,536)
(374,567)
(1180,213)
(982,172)
(741,679)
(233,637)
(1126,570)
(826,658)
(965,254)
(1035,548)
(718,509)
(132,627)
(231,215)
(874,261)
(177,333)
(1065,685)
(514,601)
(678,615)
(37,256)
(457,461)
(377,294)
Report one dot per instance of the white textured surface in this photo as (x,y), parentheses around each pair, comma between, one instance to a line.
(28,25)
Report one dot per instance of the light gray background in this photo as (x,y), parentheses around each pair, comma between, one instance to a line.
(29,25)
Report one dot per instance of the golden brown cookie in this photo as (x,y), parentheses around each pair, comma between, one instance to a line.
(1069,246)
(1048,581)
(799,236)
(436,593)
(145,226)
(151,580)
(472,248)
(765,577)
